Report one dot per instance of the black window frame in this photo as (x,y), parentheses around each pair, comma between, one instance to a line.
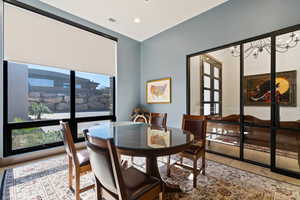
(73,120)
(8,127)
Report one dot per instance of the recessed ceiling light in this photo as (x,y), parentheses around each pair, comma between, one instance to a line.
(112,20)
(137,20)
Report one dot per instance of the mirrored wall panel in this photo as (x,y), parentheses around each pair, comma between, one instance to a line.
(257,81)
(257,100)
(250,92)
(215,92)
(288,100)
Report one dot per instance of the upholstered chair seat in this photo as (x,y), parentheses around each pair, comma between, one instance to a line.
(83,157)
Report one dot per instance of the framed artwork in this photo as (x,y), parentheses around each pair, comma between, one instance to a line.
(158,91)
(157,138)
(257,89)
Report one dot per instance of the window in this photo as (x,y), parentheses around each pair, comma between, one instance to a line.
(30,137)
(211,77)
(38,82)
(38,97)
(42,95)
(95,96)
(67,85)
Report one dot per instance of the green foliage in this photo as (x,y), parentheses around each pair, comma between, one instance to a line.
(37,109)
(28,137)
(24,130)
(18,119)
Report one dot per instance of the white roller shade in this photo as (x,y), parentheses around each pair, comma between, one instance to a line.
(32,38)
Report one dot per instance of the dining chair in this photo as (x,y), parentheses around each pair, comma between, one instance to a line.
(197,126)
(78,162)
(158,119)
(124,163)
(115,181)
(140,118)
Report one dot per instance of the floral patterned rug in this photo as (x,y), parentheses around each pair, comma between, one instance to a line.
(47,180)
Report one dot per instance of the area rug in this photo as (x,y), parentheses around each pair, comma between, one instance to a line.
(47,180)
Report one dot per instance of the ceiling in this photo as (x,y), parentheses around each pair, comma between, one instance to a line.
(155,15)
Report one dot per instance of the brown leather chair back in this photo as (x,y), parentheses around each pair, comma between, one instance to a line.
(158,119)
(196,125)
(68,141)
(105,165)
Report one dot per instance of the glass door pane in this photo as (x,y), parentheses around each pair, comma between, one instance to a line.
(207,95)
(206,81)
(288,101)
(257,100)
(206,67)
(257,144)
(224,136)
(207,109)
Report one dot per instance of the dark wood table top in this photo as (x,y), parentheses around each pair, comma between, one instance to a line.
(142,139)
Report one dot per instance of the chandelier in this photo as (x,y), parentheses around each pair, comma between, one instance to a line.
(259,46)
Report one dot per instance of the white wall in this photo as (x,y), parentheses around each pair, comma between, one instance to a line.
(195,85)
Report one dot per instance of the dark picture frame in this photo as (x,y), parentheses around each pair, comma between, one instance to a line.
(257,89)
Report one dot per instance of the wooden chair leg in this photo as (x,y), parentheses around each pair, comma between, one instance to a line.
(208,143)
(195,172)
(168,166)
(98,189)
(162,195)
(77,185)
(203,164)
(70,170)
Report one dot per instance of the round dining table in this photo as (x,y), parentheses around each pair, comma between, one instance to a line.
(143,140)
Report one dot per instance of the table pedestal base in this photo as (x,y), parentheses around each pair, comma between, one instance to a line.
(152,170)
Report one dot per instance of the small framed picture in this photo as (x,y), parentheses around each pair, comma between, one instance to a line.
(159,91)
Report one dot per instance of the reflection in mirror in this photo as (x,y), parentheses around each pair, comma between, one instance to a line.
(257,84)
(158,138)
(214,89)
(215,92)
(257,100)
(214,83)
(288,98)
